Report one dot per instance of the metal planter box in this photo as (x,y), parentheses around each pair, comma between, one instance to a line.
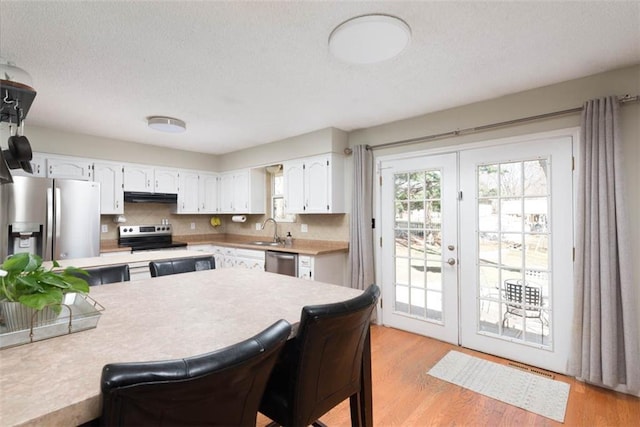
(79,312)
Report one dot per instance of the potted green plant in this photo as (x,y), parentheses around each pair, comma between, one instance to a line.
(29,292)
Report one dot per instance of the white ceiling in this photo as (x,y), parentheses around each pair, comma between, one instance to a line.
(248,73)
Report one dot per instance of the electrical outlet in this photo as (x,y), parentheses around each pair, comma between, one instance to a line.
(193,225)
(258,226)
(105,228)
(304,228)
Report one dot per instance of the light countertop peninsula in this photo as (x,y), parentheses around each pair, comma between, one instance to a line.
(56,382)
(127,257)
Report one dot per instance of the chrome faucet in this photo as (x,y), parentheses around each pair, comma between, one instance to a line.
(275,229)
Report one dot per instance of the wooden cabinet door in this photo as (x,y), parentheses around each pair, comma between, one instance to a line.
(166,181)
(241,192)
(69,168)
(226,193)
(316,185)
(38,166)
(110,177)
(294,200)
(208,198)
(138,178)
(188,196)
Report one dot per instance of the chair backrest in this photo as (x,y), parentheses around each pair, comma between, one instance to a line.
(181,265)
(221,388)
(106,274)
(516,292)
(329,344)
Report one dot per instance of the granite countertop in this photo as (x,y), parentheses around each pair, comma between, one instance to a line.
(300,246)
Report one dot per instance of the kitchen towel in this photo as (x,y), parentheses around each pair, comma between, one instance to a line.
(239,218)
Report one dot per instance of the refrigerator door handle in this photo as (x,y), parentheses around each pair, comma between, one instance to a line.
(48,250)
(58,214)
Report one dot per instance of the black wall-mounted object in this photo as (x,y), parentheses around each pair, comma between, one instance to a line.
(138,197)
(15,97)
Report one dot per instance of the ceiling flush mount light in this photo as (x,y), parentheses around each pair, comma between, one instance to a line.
(166,124)
(369,39)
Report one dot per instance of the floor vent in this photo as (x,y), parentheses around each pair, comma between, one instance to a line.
(533,370)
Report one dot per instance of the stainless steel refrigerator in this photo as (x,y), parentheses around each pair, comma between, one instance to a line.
(54,218)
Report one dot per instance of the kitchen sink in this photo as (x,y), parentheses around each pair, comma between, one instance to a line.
(265,243)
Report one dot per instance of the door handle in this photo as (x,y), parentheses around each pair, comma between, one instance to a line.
(451,261)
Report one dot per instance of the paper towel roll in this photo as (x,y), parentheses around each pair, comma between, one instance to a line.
(239,218)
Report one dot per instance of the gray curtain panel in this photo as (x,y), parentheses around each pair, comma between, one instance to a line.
(361,234)
(605,341)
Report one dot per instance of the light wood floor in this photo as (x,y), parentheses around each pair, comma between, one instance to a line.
(404,395)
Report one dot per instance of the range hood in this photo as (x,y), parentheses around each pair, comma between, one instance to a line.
(138,197)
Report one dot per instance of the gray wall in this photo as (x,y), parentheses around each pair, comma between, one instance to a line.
(329,140)
(52,141)
(538,101)
(547,99)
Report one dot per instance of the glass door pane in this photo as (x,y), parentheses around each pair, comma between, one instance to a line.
(513,253)
(418,244)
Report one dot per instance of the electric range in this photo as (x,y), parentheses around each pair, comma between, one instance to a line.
(148,237)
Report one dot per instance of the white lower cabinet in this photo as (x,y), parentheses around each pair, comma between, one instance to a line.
(250,259)
(114,253)
(227,257)
(217,251)
(328,268)
(139,270)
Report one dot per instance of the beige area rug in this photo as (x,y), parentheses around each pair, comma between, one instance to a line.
(528,391)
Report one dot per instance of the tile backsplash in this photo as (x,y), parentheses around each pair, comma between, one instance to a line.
(334,227)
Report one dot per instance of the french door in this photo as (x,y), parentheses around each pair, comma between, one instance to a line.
(477,248)
(419,250)
(517,251)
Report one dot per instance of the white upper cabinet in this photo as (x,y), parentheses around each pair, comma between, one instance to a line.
(110,176)
(293,174)
(166,181)
(226,192)
(149,179)
(138,178)
(69,168)
(189,194)
(198,192)
(38,166)
(242,191)
(314,184)
(208,189)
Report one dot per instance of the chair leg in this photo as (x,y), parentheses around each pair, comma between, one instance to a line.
(356,410)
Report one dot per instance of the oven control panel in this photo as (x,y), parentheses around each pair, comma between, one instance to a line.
(144,230)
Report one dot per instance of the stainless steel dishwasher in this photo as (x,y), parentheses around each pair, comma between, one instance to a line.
(282,263)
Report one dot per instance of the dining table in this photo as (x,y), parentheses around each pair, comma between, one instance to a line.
(56,382)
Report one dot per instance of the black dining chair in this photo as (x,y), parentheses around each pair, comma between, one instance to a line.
(322,365)
(107,274)
(181,265)
(221,388)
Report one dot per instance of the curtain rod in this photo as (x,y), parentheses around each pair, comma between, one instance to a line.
(622,100)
